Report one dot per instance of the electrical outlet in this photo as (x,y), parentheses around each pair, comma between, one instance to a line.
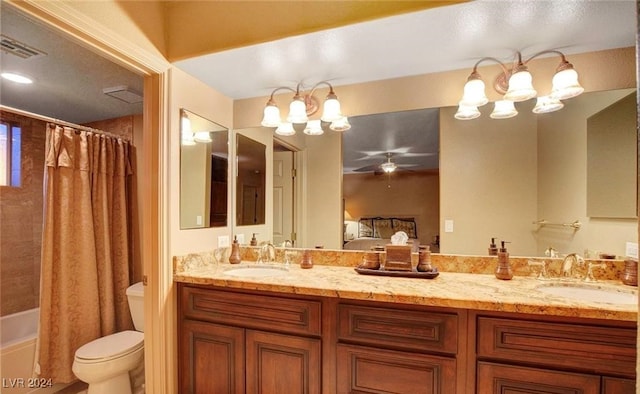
(240,238)
(223,241)
(199,220)
(448,226)
(631,250)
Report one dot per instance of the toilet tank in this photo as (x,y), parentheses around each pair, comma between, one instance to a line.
(135,295)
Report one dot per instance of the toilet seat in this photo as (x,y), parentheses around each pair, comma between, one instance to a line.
(110,347)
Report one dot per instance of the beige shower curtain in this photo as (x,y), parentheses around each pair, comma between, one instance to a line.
(85,252)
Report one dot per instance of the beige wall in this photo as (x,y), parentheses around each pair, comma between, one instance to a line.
(368,195)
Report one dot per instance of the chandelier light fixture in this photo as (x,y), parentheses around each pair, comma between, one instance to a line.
(302,106)
(516,84)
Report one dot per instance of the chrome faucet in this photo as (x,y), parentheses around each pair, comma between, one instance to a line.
(567,264)
(267,253)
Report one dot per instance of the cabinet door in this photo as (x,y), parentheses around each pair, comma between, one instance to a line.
(506,379)
(212,359)
(279,363)
(618,386)
(363,369)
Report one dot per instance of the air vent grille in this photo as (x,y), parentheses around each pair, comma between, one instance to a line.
(20,49)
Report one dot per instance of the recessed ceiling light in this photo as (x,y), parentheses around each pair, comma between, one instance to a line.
(17,78)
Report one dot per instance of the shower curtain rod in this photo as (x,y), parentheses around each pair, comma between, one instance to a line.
(60,122)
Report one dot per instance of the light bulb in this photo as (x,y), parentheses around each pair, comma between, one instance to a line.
(546,104)
(271,117)
(566,85)
(466,112)
(313,127)
(474,95)
(297,111)
(285,129)
(520,87)
(503,109)
(341,124)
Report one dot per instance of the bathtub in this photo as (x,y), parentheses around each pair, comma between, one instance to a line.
(18,334)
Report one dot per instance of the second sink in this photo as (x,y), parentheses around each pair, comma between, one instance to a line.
(590,293)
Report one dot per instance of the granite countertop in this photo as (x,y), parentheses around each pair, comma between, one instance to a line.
(448,289)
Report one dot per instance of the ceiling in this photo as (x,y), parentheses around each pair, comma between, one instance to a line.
(70,79)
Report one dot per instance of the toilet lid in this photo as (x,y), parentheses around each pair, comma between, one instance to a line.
(113,345)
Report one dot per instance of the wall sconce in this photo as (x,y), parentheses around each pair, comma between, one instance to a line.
(301,107)
(516,86)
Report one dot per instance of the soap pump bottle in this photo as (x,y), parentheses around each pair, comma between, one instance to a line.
(493,249)
(503,270)
(235,258)
(254,240)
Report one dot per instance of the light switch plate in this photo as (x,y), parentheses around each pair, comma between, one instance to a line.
(631,250)
(199,220)
(223,241)
(448,226)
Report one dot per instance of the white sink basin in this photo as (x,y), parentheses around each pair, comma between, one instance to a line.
(590,293)
(256,271)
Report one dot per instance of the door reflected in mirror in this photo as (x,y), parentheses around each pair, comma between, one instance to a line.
(204,163)
(251,181)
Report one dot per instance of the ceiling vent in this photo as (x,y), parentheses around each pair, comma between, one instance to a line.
(123,93)
(20,49)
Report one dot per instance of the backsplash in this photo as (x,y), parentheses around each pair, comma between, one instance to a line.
(445,263)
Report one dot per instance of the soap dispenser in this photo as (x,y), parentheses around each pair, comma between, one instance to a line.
(503,270)
(493,249)
(254,240)
(235,258)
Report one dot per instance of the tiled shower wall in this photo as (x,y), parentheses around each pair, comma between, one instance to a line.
(21,223)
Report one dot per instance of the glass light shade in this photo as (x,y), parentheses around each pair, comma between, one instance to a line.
(474,95)
(185,131)
(202,136)
(388,167)
(313,127)
(546,104)
(566,85)
(341,124)
(503,109)
(297,112)
(271,117)
(520,87)
(331,110)
(285,128)
(466,112)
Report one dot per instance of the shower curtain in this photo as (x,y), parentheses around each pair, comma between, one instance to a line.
(85,250)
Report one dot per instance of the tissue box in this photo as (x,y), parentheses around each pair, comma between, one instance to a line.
(398,258)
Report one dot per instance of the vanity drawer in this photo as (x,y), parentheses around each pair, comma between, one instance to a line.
(399,329)
(252,311)
(596,349)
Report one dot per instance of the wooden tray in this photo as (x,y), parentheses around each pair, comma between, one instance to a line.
(402,274)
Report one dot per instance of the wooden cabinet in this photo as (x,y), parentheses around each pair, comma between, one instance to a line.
(395,350)
(212,358)
(537,356)
(504,379)
(222,353)
(236,341)
(372,370)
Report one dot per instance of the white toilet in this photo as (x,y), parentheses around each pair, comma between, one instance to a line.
(105,363)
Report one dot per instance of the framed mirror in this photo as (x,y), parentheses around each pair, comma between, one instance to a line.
(250,182)
(204,164)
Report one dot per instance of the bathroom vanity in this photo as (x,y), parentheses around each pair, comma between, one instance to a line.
(330,330)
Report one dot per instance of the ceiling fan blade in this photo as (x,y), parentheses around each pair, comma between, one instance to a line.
(372,167)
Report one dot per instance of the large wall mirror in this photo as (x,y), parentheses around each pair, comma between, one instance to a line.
(498,178)
(251,181)
(204,163)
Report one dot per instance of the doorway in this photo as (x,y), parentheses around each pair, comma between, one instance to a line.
(284,201)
